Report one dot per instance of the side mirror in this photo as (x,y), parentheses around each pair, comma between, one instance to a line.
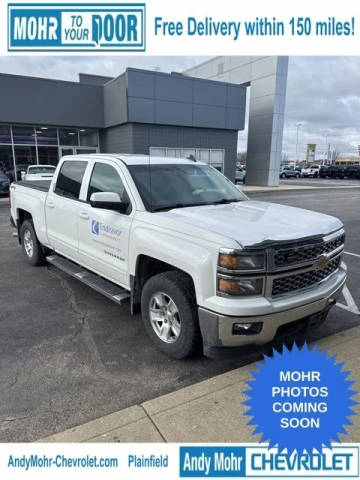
(108,201)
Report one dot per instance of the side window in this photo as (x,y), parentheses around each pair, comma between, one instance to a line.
(105,178)
(69,180)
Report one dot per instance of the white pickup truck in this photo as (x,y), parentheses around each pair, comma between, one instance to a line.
(206,265)
(312,171)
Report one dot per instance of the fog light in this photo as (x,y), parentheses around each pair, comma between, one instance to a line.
(247,328)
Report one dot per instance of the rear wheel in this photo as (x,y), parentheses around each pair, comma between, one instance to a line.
(283,175)
(169,313)
(30,244)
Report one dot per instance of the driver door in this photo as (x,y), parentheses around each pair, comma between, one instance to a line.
(104,234)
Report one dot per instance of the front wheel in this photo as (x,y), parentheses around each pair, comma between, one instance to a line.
(30,244)
(169,313)
(283,175)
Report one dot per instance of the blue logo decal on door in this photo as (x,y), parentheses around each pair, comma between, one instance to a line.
(95,227)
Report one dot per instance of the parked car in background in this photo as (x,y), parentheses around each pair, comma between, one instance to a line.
(312,171)
(19,168)
(4,184)
(332,171)
(289,172)
(336,171)
(240,175)
(352,171)
(323,171)
(38,172)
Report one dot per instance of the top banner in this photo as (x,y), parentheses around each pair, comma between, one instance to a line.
(159,27)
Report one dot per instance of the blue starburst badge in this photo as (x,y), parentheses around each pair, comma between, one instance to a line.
(300,399)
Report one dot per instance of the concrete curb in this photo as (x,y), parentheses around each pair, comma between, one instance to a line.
(209,411)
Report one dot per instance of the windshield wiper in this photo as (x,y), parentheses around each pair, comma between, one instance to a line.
(226,200)
(179,205)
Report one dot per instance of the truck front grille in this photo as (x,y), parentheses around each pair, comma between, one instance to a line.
(305,253)
(299,281)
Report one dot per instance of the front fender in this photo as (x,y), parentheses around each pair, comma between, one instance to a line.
(197,258)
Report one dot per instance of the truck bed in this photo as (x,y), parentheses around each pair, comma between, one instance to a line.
(42,185)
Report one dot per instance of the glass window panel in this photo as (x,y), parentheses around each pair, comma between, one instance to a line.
(24,156)
(46,136)
(204,155)
(157,152)
(84,151)
(5,134)
(48,155)
(68,136)
(70,177)
(105,178)
(216,156)
(66,151)
(24,135)
(6,161)
(89,137)
(170,152)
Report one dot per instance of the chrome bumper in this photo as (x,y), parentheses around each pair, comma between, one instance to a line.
(217,329)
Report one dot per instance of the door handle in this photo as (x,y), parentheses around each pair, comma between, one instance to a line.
(84,216)
(50,204)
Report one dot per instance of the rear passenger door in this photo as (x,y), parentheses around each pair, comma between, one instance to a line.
(62,208)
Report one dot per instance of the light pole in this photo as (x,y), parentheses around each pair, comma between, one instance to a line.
(298,125)
(327,149)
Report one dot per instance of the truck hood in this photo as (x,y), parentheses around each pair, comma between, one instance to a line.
(253,223)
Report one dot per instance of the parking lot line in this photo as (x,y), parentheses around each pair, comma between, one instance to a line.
(354,254)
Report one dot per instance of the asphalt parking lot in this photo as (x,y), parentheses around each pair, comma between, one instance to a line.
(69,355)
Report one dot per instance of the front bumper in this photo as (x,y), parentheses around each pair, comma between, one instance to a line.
(217,329)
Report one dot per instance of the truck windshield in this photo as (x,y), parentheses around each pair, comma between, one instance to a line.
(167,186)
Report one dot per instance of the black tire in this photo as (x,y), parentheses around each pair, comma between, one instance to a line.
(297,175)
(283,175)
(244,180)
(179,288)
(37,257)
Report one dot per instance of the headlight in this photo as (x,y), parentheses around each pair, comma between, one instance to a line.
(241,261)
(243,287)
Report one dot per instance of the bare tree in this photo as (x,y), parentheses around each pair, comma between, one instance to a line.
(285,158)
(335,154)
(241,157)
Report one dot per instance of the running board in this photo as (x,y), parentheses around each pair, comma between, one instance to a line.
(108,289)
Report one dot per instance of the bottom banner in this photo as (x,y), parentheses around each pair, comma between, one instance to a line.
(172,461)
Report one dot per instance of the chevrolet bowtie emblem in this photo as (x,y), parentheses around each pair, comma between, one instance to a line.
(322,263)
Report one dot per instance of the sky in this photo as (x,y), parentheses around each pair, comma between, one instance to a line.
(323,93)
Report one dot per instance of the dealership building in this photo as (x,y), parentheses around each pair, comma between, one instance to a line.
(143,112)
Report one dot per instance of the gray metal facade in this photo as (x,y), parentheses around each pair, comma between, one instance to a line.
(138,138)
(133,112)
(267,79)
(37,101)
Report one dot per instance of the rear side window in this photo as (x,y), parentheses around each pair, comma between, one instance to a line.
(69,180)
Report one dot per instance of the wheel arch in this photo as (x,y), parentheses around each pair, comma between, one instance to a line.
(145,268)
(22,215)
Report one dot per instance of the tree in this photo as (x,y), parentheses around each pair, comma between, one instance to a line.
(241,157)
